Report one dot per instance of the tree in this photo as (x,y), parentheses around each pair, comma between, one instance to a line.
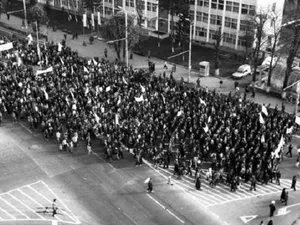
(173,7)
(217,47)
(259,23)
(89,5)
(114,29)
(294,45)
(37,14)
(276,31)
(183,30)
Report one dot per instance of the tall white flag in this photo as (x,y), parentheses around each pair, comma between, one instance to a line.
(99,18)
(297,120)
(93,21)
(30,39)
(59,45)
(117,119)
(143,89)
(261,119)
(84,20)
(140,99)
(264,110)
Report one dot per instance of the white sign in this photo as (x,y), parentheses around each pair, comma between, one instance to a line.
(6,46)
(247,219)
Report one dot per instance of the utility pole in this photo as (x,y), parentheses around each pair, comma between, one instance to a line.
(25,13)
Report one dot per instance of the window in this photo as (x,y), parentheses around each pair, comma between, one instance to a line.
(131,3)
(127,3)
(64,3)
(229,6)
(141,5)
(252,10)
(231,23)
(152,24)
(200,31)
(154,7)
(244,25)
(213,19)
(229,38)
(219,20)
(214,4)
(200,2)
(212,34)
(205,17)
(192,14)
(149,6)
(199,16)
(242,41)
(108,11)
(245,9)
(221,4)
(206,3)
(236,7)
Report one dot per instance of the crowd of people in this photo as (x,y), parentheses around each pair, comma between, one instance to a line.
(79,98)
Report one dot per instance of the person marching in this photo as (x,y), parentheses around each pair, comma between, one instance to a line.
(294,181)
(54,207)
(272,208)
(150,186)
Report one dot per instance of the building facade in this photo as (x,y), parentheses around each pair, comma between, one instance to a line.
(208,16)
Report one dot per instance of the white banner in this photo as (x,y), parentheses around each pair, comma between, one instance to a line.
(6,46)
(99,18)
(93,21)
(84,20)
(50,69)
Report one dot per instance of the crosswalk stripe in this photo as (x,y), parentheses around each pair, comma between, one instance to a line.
(3,210)
(32,199)
(26,206)
(14,207)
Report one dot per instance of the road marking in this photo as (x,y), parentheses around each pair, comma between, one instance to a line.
(3,210)
(96,154)
(283,211)
(14,208)
(54,222)
(157,202)
(26,206)
(247,219)
(72,215)
(129,217)
(26,128)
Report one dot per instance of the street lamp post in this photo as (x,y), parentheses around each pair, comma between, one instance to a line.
(126,35)
(25,13)
(190,49)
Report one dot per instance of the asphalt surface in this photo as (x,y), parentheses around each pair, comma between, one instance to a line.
(89,190)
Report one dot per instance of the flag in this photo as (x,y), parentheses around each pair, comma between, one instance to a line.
(85,69)
(143,89)
(93,21)
(6,46)
(264,110)
(280,145)
(45,45)
(205,128)
(262,139)
(84,20)
(38,51)
(289,130)
(107,89)
(96,117)
(89,62)
(140,99)
(72,94)
(209,119)
(99,18)
(59,45)
(119,101)
(72,70)
(124,80)
(61,60)
(50,69)
(297,120)
(30,39)
(163,98)
(19,60)
(86,91)
(95,62)
(117,119)
(46,95)
(261,119)
(202,102)
(179,113)
(69,17)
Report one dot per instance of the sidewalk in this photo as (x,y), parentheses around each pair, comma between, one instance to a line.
(98,47)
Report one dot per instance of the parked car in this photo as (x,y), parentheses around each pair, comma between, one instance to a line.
(243,71)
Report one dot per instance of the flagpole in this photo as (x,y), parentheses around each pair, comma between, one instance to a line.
(25,13)
(37,39)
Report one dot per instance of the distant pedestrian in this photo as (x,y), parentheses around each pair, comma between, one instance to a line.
(272,208)
(286,198)
(236,85)
(198,183)
(149,54)
(270,222)
(253,92)
(282,196)
(8,16)
(261,223)
(105,53)
(294,181)
(297,162)
(290,149)
(170,180)
(65,36)
(54,207)
(89,148)
(253,184)
(150,186)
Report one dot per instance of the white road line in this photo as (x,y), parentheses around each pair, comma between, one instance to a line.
(26,128)
(14,208)
(3,210)
(129,217)
(96,154)
(44,198)
(157,202)
(31,198)
(26,206)
(16,189)
(72,215)
(36,162)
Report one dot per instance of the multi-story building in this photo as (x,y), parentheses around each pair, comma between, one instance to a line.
(208,16)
